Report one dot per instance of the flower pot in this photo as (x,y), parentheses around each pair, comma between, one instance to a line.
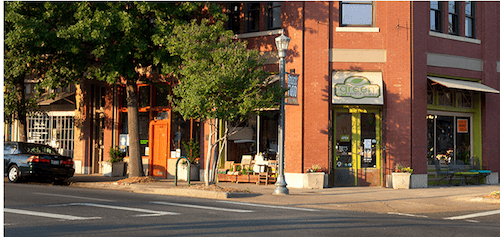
(314,180)
(115,169)
(182,172)
(401,180)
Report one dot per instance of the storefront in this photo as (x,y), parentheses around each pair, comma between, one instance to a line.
(454,120)
(357,128)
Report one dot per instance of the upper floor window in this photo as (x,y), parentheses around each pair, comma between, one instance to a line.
(453,19)
(436,12)
(253,16)
(356,13)
(470,15)
(274,15)
(233,15)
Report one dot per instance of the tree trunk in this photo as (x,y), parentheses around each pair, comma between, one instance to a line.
(135,159)
(21,112)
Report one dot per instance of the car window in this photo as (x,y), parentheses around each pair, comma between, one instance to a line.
(9,148)
(37,149)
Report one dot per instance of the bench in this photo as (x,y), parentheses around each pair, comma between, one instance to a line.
(445,174)
(461,171)
(475,167)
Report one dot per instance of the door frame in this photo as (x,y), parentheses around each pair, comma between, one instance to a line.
(356,143)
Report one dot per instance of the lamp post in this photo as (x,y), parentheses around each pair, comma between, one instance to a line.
(282,45)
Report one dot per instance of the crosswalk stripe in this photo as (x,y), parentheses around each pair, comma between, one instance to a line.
(78,197)
(202,207)
(152,212)
(269,206)
(488,213)
(44,214)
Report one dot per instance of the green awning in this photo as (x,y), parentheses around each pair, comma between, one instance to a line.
(463,85)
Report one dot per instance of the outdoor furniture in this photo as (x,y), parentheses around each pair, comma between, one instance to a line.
(475,167)
(267,176)
(445,174)
(462,172)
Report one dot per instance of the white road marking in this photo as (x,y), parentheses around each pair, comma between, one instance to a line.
(488,213)
(68,196)
(202,207)
(44,214)
(152,212)
(269,206)
(405,214)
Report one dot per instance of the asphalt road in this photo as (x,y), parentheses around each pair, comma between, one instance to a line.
(34,209)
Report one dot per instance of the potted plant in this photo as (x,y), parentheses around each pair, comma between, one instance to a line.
(401,177)
(193,155)
(315,178)
(115,166)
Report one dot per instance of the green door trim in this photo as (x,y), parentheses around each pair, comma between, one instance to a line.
(356,111)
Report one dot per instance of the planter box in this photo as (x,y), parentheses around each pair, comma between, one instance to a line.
(247,178)
(401,180)
(182,172)
(113,169)
(314,180)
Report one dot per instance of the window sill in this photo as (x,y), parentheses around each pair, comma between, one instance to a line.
(357,29)
(454,37)
(258,34)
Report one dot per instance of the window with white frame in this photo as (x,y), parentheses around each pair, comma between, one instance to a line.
(54,130)
(356,13)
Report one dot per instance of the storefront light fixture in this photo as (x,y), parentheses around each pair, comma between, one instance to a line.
(282,44)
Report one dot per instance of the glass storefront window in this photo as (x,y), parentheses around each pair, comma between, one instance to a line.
(448,138)
(368,140)
(343,154)
(464,99)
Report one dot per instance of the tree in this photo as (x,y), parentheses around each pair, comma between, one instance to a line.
(120,38)
(219,80)
(33,50)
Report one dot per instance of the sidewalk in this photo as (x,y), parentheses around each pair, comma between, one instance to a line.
(364,199)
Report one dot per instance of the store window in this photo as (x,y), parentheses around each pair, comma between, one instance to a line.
(445,96)
(356,13)
(453,19)
(53,130)
(449,138)
(233,14)
(253,16)
(436,16)
(274,15)
(144,96)
(470,15)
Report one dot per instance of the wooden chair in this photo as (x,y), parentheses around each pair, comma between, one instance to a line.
(268,175)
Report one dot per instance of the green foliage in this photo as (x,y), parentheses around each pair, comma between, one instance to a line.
(116,154)
(219,77)
(402,169)
(193,150)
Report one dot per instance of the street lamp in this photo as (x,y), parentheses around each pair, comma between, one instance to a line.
(282,45)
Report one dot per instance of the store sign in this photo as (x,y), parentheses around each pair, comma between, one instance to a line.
(357,88)
(293,81)
(462,126)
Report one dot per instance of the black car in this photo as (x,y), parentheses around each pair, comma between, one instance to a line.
(31,160)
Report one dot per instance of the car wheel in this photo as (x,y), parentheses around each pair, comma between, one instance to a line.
(13,174)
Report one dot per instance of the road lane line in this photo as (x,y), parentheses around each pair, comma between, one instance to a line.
(488,213)
(68,196)
(202,207)
(269,206)
(44,214)
(157,213)
(405,214)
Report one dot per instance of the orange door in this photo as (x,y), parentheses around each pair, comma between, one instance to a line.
(160,148)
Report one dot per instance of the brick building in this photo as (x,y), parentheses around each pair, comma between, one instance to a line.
(379,83)
(382,83)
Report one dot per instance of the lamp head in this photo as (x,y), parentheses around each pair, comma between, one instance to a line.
(282,45)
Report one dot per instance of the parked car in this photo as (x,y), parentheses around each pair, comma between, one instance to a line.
(30,160)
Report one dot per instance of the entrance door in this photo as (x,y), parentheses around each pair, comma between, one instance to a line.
(357,147)
(160,134)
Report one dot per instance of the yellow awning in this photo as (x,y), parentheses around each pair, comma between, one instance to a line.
(463,85)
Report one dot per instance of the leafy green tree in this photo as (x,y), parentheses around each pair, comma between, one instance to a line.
(107,41)
(120,38)
(219,80)
(33,51)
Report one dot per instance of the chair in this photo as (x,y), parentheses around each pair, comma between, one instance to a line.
(267,176)
(459,168)
(445,174)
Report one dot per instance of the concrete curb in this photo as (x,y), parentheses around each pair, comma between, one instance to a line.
(158,190)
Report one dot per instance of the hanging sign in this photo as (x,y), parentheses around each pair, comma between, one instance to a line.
(351,87)
(293,80)
(462,126)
